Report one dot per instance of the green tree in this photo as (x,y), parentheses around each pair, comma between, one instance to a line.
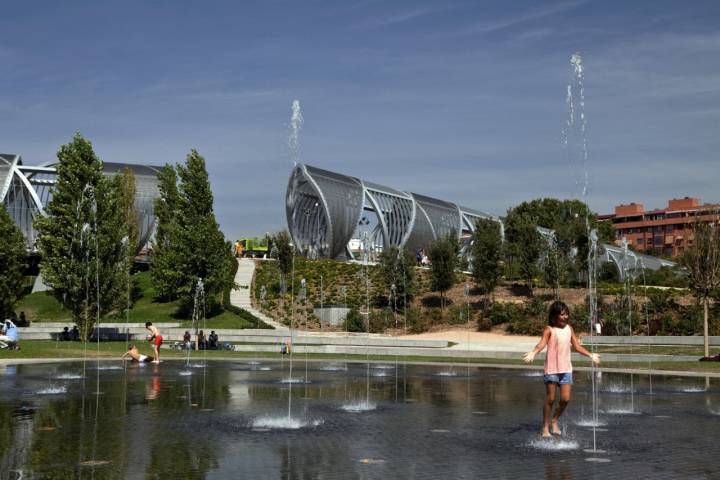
(397,269)
(163,266)
(524,244)
(443,256)
(702,261)
(12,263)
(124,183)
(283,251)
(487,250)
(80,241)
(201,249)
(569,220)
(606,233)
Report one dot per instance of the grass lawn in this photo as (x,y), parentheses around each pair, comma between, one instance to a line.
(51,349)
(43,307)
(696,350)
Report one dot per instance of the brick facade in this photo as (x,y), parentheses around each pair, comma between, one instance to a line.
(665,231)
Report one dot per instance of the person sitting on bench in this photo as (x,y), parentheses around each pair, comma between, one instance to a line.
(9,337)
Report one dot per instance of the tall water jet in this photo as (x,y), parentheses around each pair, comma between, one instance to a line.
(296,124)
(295,127)
(574,139)
(198,313)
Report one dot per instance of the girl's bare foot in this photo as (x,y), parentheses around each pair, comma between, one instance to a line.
(546,432)
(555,428)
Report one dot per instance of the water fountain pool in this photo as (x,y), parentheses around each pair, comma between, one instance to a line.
(151,425)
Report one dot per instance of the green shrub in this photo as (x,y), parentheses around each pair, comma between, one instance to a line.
(504,313)
(416,322)
(380,320)
(528,319)
(434,316)
(484,323)
(457,315)
(354,322)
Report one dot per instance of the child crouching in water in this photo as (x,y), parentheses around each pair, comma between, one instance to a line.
(558,336)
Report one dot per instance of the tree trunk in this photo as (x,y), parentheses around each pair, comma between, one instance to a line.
(705,325)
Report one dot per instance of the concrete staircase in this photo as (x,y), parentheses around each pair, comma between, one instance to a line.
(240,297)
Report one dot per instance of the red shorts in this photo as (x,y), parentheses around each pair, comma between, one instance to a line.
(158,340)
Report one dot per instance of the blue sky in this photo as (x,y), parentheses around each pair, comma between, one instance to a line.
(460,100)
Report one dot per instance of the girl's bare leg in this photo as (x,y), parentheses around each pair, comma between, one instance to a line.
(565,391)
(550,389)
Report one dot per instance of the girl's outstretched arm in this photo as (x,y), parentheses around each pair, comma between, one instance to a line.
(582,350)
(530,356)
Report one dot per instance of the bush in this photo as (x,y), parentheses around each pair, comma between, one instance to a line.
(666,277)
(354,322)
(504,313)
(416,322)
(434,316)
(530,319)
(249,317)
(484,324)
(457,315)
(380,320)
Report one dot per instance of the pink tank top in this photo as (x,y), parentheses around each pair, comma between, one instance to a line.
(557,357)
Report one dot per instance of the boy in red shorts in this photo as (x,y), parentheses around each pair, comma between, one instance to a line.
(156,338)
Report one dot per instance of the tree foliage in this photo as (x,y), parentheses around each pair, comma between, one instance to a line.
(443,255)
(283,251)
(12,263)
(124,183)
(80,240)
(702,261)
(166,278)
(487,251)
(398,270)
(569,219)
(524,244)
(190,244)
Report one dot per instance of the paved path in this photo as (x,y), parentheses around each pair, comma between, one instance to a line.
(240,297)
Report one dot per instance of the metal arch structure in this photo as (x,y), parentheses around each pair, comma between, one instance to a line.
(324,209)
(26,190)
(628,263)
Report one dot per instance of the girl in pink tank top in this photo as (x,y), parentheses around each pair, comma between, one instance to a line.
(558,337)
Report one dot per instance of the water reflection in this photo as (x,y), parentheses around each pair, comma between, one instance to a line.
(231,421)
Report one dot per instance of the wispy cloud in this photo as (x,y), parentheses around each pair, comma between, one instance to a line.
(405,16)
(497,24)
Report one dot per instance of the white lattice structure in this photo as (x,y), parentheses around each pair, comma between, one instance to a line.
(26,190)
(325,208)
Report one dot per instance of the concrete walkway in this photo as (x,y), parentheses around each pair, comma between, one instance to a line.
(240,297)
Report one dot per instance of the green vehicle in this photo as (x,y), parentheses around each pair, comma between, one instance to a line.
(251,247)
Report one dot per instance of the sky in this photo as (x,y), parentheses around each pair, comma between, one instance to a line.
(458,100)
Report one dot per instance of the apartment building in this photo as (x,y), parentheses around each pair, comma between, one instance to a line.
(666,231)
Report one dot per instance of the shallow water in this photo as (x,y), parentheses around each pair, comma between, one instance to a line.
(230,421)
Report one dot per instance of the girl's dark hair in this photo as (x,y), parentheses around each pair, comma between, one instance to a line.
(556,309)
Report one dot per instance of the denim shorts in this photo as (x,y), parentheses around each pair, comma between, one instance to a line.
(559,378)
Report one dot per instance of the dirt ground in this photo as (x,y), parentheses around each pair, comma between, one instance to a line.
(503,294)
(460,335)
